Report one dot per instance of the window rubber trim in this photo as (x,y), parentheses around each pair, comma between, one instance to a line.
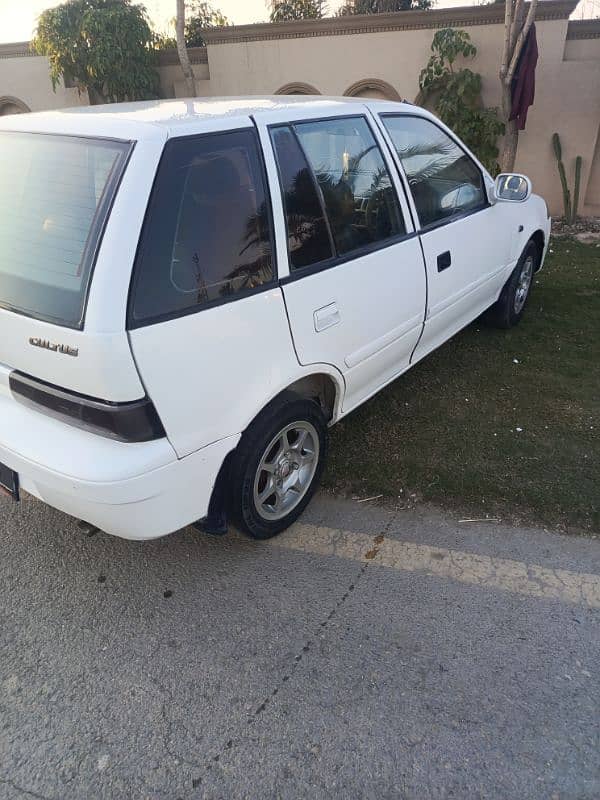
(131,322)
(432,226)
(320,198)
(316,187)
(392,156)
(423,229)
(336,259)
(332,263)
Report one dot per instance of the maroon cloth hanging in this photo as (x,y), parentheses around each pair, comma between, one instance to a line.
(523,83)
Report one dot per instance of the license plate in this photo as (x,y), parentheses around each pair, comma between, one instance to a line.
(9,482)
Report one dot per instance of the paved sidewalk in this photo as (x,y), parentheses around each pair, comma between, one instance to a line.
(363,654)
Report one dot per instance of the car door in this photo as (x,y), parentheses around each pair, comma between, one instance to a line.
(467,242)
(207,321)
(355,293)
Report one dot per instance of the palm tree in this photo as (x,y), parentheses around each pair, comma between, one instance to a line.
(382,6)
(285,10)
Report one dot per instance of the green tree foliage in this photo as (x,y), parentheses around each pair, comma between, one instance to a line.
(455,95)
(383,6)
(164,41)
(106,46)
(284,10)
(201,16)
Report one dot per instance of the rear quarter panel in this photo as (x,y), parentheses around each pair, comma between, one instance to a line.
(210,373)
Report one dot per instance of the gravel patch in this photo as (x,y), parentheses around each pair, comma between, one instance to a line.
(585,229)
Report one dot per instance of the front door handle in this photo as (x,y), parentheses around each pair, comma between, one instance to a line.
(326,317)
(444,260)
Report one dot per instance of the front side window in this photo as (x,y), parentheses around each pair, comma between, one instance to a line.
(355,185)
(207,235)
(443,179)
(55,194)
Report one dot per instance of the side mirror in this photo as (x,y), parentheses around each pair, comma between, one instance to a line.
(512,188)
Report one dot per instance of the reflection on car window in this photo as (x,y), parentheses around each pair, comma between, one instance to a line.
(359,199)
(55,193)
(444,180)
(308,238)
(207,236)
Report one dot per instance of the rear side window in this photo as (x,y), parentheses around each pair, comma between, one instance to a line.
(357,191)
(443,179)
(55,194)
(207,236)
(308,237)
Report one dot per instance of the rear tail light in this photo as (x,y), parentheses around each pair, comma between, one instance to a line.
(126,422)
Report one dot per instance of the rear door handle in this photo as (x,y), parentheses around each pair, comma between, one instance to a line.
(444,260)
(326,317)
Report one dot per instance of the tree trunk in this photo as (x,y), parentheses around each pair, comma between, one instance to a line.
(509,150)
(95,96)
(184,58)
(516,28)
(511,133)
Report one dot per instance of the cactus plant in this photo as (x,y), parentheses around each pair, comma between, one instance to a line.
(570,210)
(563,177)
(574,210)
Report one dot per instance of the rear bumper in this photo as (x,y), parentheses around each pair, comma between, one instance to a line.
(135,491)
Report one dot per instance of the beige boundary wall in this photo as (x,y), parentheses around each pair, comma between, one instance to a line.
(381,56)
(24,82)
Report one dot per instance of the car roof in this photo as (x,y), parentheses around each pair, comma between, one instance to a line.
(137,120)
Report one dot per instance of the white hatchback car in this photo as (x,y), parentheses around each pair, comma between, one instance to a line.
(192,291)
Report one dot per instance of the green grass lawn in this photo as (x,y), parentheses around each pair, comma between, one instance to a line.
(495,422)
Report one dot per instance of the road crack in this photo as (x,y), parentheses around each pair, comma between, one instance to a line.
(22,790)
(369,555)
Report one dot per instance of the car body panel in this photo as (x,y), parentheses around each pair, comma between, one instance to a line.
(479,249)
(209,373)
(101,365)
(379,320)
(220,367)
(377,299)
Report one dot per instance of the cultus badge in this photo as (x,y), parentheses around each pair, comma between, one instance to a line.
(45,344)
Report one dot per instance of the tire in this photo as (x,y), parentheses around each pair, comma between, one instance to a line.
(262,462)
(508,310)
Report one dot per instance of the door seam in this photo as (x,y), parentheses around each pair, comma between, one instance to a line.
(426,310)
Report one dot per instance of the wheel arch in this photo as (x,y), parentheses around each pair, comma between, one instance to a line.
(323,384)
(539,239)
(320,387)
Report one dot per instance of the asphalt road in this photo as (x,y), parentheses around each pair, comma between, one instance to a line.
(364,654)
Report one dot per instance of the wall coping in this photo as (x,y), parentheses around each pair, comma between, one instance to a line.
(378,23)
(584,29)
(170,57)
(198,55)
(357,24)
(16,50)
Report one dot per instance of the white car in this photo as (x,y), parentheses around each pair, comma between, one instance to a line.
(191,292)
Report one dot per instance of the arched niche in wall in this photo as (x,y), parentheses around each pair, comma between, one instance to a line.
(297,88)
(12,105)
(374,88)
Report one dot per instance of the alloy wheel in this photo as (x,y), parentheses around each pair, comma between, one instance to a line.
(286,470)
(523,285)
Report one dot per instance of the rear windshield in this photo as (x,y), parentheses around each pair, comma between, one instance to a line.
(55,193)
